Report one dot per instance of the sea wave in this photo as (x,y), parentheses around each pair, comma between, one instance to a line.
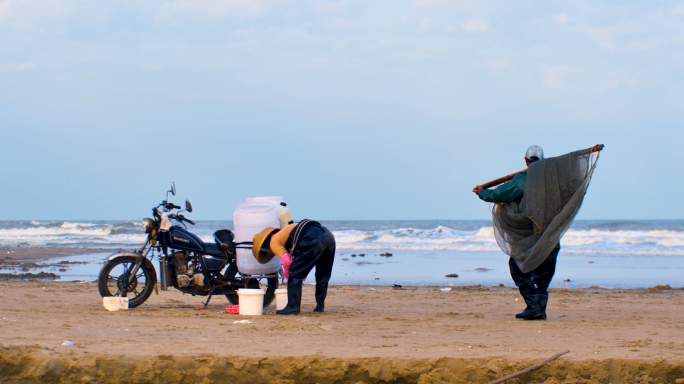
(594,236)
(28,233)
(410,235)
(585,240)
(592,241)
(43,231)
(73,234)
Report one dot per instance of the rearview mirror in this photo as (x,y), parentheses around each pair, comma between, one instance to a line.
(188,206)
(173,188)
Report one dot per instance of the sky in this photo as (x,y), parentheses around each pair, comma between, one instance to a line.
(349,109)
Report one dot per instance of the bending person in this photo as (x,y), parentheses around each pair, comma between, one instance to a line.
(300,247)
(533,286)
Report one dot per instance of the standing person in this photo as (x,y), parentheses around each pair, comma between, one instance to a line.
(534,285)
(300,247)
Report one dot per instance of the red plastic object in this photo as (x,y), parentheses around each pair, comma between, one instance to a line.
(234,309)
(202,308)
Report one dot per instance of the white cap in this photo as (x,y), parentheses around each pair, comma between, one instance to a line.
(534,153)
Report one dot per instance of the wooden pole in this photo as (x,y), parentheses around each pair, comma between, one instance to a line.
(539,364)
(501,180)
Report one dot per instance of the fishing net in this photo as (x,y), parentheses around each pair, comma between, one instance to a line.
(530,228)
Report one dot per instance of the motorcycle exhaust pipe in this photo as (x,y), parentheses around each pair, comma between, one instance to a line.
(164,274)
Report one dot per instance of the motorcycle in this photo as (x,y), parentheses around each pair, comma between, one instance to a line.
(186,263)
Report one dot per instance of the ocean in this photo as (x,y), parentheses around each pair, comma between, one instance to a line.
(594,253)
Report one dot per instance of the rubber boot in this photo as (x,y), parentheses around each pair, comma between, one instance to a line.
(533,310)
(294,297)
(321,293)
(543,300)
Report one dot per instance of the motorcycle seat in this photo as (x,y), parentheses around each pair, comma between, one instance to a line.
(225,238)
(214,250)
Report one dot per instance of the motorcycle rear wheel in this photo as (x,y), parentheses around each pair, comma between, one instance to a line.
(110,281)
(271,286)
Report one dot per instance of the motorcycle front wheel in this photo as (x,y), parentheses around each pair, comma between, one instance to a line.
(271,286)
(115,273)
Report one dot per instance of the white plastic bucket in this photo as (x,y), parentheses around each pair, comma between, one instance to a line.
(283,212)
(251,301)
(281,298)
(272,199)
(113,304)
(249,219)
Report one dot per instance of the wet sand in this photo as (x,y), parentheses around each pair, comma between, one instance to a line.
(368,335)
(26,263)
(41,253)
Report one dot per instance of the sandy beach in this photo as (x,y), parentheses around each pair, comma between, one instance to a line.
(369,334)
(417,159)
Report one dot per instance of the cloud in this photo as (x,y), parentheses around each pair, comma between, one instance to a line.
(4,8)
(334,8)
(561,19)
(25,65)
(424,24)
(602,36)
(612,78)
(498,66)
(218,8)
(31,15)
(555,76)
(434,4)
(471,26)
(12,67)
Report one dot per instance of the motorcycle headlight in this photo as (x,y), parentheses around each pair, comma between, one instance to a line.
(148,225)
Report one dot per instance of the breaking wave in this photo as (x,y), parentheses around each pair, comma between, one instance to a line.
(72,234)
(613,238)
(593,241)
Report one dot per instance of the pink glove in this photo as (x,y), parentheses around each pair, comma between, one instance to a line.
(286,262)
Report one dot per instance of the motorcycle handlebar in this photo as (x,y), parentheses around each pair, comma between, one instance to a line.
(182,218)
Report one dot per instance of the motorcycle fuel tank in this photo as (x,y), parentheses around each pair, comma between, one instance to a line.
(180,238)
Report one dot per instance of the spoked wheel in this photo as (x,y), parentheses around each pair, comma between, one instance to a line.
(270,284)
(116,274)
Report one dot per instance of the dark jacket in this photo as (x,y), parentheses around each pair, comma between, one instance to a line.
(296,233)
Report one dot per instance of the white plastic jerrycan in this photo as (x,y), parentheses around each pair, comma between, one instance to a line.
(284,215)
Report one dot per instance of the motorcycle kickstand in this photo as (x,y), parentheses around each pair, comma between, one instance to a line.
(206,304)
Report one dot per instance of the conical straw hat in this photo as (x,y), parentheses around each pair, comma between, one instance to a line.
(261,247)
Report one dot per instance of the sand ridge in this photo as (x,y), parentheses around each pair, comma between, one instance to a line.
(35,364)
